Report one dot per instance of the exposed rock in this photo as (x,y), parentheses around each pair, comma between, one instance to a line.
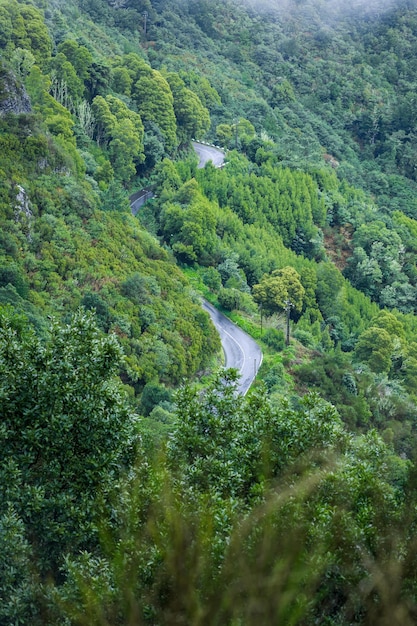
(23,212)
(23,204)
(13,96)
(334,163)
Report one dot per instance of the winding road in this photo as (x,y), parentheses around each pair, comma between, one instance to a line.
(240,350)
(205,154)
(208,153)
(139,198)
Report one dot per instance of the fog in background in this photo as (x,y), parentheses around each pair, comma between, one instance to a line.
(311,13)
(332,8)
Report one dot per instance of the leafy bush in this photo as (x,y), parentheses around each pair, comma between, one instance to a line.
(229,299)
(274,376)
(11,274)
(153,394)
(212,279)
(274,338)
(304,337)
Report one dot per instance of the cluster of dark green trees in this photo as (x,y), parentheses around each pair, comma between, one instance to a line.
(236,238)
(67,236)
(74,472)
(253,511)
(293,505)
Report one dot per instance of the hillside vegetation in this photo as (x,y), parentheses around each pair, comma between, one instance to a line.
(136,488)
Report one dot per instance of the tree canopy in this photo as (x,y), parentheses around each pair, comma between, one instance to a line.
(281,288)
(304,488)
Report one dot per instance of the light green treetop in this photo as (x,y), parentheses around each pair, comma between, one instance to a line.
(275,290)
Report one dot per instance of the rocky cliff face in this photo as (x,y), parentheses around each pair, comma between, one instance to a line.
(13,97)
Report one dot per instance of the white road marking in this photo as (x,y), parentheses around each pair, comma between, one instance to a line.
(238,345)
(248,377)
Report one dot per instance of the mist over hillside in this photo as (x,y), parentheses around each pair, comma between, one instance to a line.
(328,10)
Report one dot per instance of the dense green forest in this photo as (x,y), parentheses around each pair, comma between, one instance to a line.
(136,486)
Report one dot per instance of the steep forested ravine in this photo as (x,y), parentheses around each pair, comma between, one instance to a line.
(136,484)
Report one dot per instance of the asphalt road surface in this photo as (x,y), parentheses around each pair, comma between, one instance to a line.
(205,154)
(139,198)
(208,153)
(240,350)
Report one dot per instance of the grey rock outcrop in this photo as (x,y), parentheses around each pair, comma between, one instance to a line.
(23,212)
(13,96)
